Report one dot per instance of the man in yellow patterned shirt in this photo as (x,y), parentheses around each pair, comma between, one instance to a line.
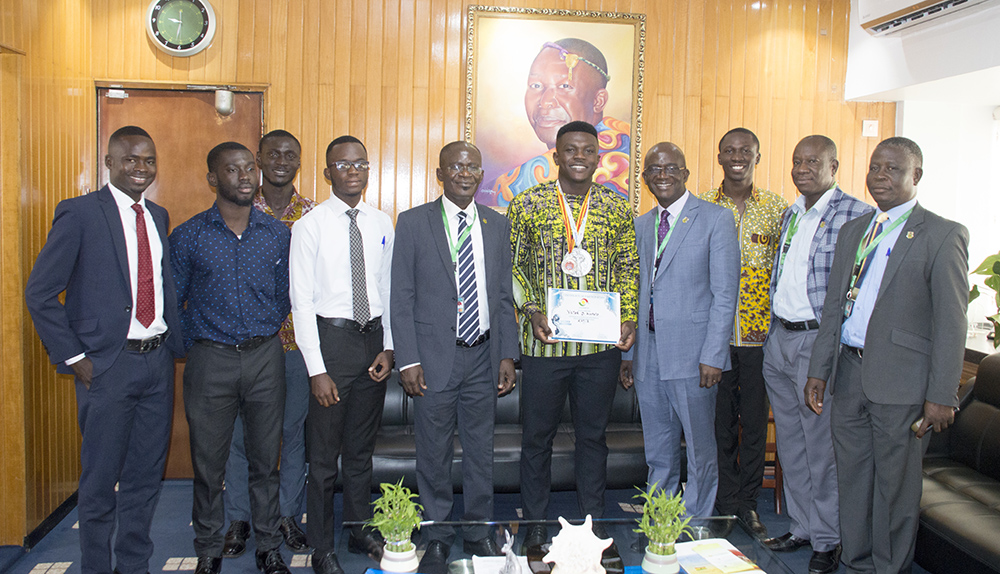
(551,224)
(742,399)
(278,157)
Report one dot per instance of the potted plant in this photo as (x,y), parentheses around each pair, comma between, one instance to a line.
(662,524)
(395,515)
(991,269)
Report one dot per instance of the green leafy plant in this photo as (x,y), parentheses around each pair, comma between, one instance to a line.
(990,268)
(661,520)
(395,515)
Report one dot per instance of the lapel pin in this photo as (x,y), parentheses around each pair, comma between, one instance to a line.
(909,235)
(822,224)
(484,221)
(685,220)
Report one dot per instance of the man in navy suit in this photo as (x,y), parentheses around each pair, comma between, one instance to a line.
(117,333)
(689,275)
(456,339)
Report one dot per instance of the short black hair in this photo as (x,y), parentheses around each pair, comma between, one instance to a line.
(826,143)
(274,134)
(213,156)
(127,131)
(908,146)
(344,140)
(576,126)
(740,131)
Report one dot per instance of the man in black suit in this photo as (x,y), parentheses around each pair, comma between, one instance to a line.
(117,333)
(890,344)
(456,340)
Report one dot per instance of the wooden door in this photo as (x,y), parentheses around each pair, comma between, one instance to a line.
(184,126)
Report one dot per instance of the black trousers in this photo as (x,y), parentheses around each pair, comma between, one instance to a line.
(218,384)
(345,430)
(590,381)
(741,403)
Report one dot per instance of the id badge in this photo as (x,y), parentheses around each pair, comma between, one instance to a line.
(461,305)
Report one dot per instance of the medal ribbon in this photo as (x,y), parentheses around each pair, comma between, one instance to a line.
(864,251)
(574,230)
(454,247)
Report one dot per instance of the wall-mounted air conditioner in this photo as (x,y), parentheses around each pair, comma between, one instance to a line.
(887,17)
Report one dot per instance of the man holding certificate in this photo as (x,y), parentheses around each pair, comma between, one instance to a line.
(566,236)
(689,276)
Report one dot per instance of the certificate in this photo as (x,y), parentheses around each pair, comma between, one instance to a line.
(584,316)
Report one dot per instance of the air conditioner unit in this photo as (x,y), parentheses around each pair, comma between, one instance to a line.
(887,17)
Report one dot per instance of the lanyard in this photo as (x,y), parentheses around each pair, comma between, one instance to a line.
(862,253)
(454,247)
(574,230)
(793,228)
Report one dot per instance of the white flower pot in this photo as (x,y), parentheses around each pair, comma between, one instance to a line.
(405,561)
(659,563)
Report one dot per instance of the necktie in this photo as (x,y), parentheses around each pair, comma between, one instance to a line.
(866,262)
(468,318)
(145,297)
(661,234)
(359,284)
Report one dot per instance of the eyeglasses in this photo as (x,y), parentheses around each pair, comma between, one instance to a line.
(457,168)
(661,169)
(360,165)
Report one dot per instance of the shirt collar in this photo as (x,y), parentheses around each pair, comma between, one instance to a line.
(257,217)
(897,212)
(123,200)
(451,210)
(675,207)
(754,194)
(260,203)
(799,206)
(338,205)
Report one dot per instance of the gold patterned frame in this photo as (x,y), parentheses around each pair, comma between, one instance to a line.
(476,17)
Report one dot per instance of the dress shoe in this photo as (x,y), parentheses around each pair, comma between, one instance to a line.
(368,542)
(485,547)
(295,539)
(271,562)
(208,565)
(536,535)
(752,519)
(236,539)
(326,563)
(787,542)
(435,559)
(825,562)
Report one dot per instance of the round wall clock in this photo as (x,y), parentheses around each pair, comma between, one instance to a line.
(180,27)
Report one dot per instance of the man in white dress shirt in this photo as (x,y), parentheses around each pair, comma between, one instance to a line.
(339,271)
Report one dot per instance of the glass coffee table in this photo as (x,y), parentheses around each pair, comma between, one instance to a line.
(631,546)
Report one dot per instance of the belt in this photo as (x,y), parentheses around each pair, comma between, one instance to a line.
(479,341)
(247,345)
(856,351)
(146,345)
(352,325)
(800,325)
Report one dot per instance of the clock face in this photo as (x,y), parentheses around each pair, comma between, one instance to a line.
(180,27)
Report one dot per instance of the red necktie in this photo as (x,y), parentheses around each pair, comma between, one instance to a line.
(145,297)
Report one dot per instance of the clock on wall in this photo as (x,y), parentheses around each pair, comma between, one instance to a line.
(180,27)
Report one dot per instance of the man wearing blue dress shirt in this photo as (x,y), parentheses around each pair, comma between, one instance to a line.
(230,264)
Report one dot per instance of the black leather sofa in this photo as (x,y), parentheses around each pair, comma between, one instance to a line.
(960,507)
(395,453)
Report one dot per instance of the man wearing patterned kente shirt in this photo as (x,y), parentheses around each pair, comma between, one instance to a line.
(742,399)
(570,234)
(278,157)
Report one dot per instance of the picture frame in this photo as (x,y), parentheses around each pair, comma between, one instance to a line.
(531,70)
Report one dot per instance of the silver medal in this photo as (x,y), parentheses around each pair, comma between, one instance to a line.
(577,263)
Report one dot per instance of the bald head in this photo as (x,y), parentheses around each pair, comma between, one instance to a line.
(667,147)
(453,148)
(814,167)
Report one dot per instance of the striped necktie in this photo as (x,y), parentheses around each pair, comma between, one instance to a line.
(867,261)
(468,319)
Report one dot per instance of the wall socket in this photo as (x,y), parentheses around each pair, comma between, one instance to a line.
(869,128)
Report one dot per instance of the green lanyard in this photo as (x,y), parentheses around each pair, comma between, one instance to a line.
(793,227)
(862,253)
(661,246)
(454,247)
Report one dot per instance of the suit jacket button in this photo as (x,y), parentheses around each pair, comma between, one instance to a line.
(128,309)
(452,327)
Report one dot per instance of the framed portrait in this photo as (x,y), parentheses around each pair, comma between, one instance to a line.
(529,71)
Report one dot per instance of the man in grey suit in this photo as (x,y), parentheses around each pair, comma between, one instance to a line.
(891,344)
(452,311)
(689,275)
(809,230)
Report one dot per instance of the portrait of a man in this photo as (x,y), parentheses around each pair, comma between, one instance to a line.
(533,77)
